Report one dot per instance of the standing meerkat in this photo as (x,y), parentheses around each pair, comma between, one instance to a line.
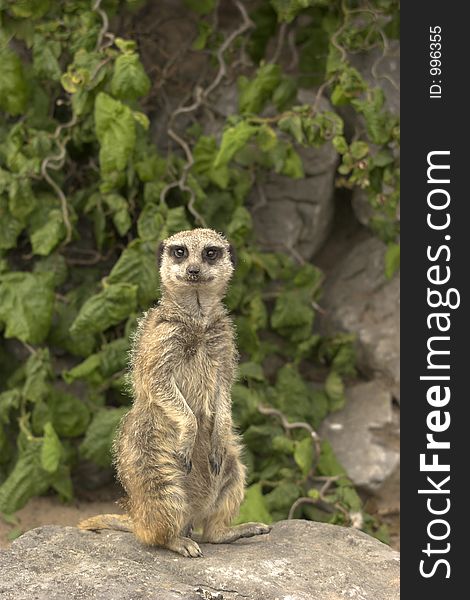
(176,453)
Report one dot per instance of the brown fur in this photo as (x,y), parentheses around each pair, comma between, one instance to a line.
(176,453)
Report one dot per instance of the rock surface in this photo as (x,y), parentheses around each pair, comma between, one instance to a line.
(296,214)
(365,435)
(359,299)
(300,560)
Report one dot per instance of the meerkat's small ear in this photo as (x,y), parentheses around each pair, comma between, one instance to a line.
(160,251)
(233,255)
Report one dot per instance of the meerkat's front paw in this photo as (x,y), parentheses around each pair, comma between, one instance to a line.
(216,458)
(185,459)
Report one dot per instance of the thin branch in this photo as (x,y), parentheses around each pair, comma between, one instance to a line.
(265,410)
(55,162)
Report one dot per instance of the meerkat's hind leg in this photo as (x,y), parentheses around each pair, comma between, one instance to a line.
(216,527)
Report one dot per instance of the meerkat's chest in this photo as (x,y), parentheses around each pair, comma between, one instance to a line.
(201,365)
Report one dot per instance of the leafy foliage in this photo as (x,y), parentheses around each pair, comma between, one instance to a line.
(85,198)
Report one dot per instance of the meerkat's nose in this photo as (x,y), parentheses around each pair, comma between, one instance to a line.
(193,270)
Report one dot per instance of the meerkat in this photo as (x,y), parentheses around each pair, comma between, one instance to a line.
(176,453)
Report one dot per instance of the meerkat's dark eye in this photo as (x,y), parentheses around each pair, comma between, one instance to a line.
(211,253)
(179,252)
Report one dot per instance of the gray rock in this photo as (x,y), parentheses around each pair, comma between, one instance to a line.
(359,299)
(296,214)
(365,435)
(300,560)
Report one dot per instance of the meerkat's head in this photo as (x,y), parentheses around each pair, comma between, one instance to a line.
(200,258)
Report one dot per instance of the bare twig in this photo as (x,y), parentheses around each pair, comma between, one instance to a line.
(266,410)
(201,96)
(279,43)
(55,162)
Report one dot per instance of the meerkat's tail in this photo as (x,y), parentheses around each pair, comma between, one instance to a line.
(115,522)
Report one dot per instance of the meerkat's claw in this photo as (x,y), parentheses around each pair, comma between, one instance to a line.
(186,547)
(215,464)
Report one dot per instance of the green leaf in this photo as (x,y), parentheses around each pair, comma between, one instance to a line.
(233,139)
(27,479)
(359,149)
(9,401)
(100,435)
(201,7)
(51,450)
(21,198)
(293,310)
(204,33)
(282,497)
(69,415)
(150,222)
(120,211)
(340,144)
(100,366)
(137,265)
(115,129)
(10,226)
(293,166)
(328,463)
(62,483)
(303,455)
(29,9)
(287,10)
(289,385)
(26,304)
(392,260)
(129,80)
(251,370)
(292,124)
(45,58)
(285,93)
(334,389)
(254,506)
(46,231)
(13,91)
(56,265)
(38,371)
(111,306)
(253,94)
(245,405)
